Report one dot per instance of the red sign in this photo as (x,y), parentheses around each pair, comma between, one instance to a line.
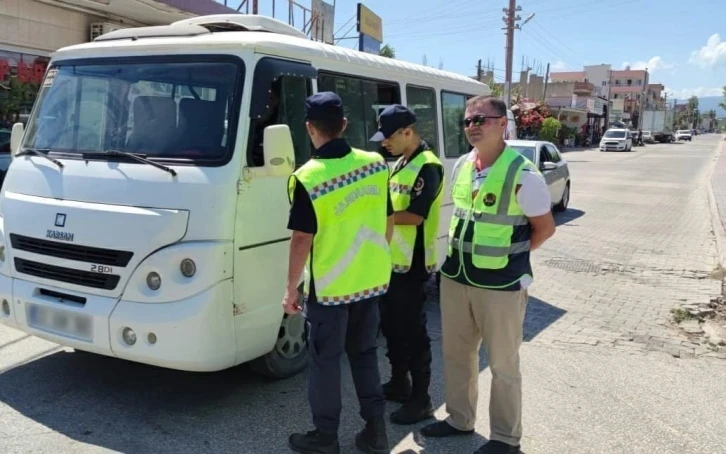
(26,73)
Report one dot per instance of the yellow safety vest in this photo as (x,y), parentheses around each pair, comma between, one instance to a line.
(489,236)
(351,258)
(401,185)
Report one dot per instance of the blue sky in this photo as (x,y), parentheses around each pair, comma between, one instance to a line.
(682,43)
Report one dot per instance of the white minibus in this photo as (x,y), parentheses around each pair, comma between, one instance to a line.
(144,214)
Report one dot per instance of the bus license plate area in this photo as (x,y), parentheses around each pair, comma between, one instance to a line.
(60,321)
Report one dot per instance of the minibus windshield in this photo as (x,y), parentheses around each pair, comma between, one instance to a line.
(181,109)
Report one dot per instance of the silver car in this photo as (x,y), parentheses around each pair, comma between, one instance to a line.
(547,157)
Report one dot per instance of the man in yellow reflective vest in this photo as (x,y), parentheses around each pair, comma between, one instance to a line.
(416,190)
(502,211)
(341,218)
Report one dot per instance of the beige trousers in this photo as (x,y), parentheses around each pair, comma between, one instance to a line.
(471,316)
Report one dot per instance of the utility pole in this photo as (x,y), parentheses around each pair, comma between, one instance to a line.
(547,78)
(255,9)
(478,71)
(510,20)
(643,99)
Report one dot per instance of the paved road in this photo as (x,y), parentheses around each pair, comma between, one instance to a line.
(603,372)
(637,241)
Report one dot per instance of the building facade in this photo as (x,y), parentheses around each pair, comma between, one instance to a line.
(626,92)
(31,30)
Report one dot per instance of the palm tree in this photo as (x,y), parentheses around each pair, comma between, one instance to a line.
(723,104)
(387,51)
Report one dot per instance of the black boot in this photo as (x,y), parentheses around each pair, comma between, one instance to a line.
(314,442)
(415,410)
(418,407)
(373,439)
(398,389)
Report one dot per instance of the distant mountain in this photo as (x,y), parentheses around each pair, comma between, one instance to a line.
(707,103)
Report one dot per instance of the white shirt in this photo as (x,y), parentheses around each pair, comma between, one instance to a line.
(533,195)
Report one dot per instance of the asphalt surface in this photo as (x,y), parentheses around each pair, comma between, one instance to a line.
(604,372)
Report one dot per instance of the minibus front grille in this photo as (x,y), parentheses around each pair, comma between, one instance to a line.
(75,252)
(68,275)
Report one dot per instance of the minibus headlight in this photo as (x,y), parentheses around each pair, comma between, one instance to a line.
(153,280)
(188,268)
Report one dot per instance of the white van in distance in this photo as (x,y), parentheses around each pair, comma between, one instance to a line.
(144,214)
(616,140)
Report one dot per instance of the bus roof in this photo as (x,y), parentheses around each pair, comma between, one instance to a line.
(259,34)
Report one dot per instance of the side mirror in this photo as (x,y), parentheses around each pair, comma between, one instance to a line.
(278,151)
(549,166)
(16,137)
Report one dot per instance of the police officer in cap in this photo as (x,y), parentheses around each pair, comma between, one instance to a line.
(341,218)
(416,191)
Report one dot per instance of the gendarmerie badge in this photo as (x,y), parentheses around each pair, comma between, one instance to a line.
(490,199)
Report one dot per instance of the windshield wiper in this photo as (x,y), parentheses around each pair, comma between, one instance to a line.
(135,156)
(39,152)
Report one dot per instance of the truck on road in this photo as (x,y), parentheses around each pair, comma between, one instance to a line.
(659,123)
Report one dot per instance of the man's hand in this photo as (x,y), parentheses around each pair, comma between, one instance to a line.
(290,302)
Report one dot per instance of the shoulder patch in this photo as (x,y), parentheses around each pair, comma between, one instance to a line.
(418,186)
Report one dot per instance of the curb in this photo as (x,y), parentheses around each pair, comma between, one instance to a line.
(719,230)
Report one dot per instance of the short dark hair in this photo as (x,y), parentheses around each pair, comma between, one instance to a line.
(495,103)
(330,128)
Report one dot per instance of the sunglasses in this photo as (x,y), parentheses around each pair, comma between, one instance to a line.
(478,120)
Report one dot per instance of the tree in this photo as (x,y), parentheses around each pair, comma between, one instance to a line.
(387,51)
(495,88)
(693,103)
(692,114)
(550,129)
(529,121)
(723,104)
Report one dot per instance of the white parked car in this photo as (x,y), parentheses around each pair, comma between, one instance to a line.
(547,157)
(648,137)
(616,140)
(684,134)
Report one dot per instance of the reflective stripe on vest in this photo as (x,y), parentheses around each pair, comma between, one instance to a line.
(403,243)
(491,229)
(350,257)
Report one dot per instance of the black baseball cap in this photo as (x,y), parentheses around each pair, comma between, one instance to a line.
(325,105)
(393,118)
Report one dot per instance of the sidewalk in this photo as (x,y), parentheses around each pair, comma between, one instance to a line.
(718,191)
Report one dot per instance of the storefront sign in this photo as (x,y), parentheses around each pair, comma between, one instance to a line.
(368,44)
(369,23)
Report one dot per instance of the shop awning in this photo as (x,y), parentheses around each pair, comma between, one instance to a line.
(149,12)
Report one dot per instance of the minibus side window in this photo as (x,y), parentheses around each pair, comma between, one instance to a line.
(286,106)
(363,99)
(453,106)
(422,101)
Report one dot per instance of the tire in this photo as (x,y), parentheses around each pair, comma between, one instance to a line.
(562,206)
(290,354)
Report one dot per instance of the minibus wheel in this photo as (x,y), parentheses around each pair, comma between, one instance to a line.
(290,354)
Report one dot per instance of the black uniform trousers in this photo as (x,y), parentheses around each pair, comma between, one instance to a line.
(403,322)
(352,328)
